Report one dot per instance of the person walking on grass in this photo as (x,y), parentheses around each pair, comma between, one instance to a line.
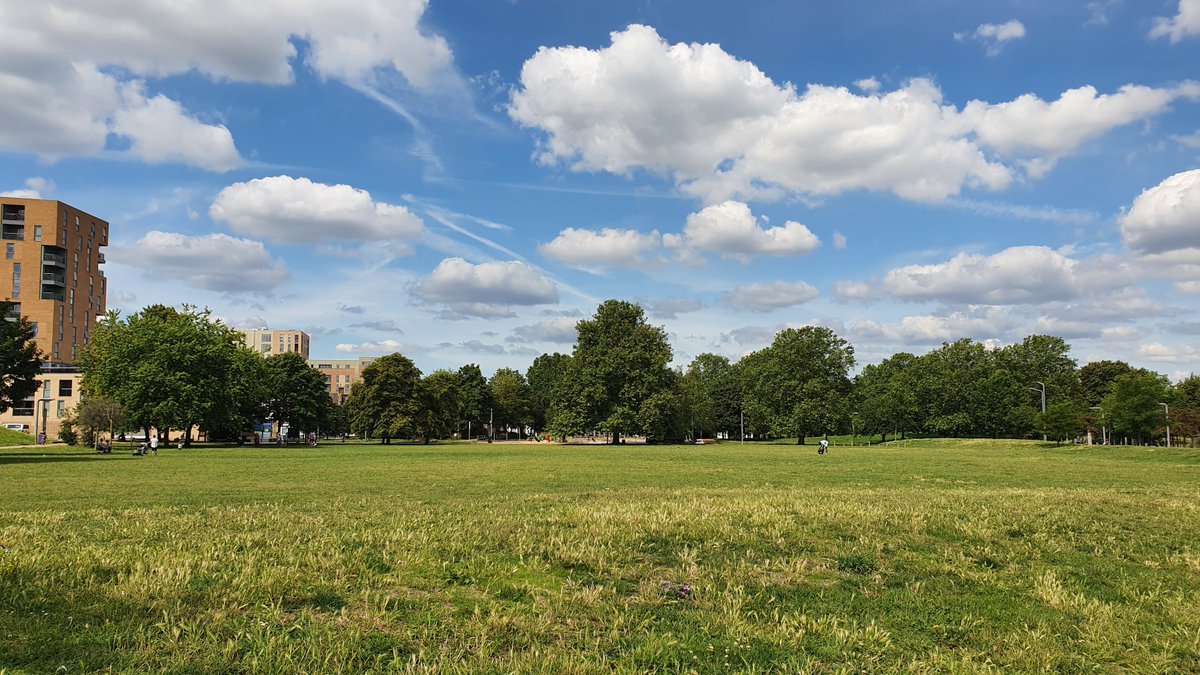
(823,446)
(154,445)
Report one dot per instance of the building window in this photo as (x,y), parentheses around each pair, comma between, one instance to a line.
(9,251)
(23,408)
(64,388)
(37,232)
(34,325)
(16,280)
(62,408)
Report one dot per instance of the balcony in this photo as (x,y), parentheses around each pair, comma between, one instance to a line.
(100,258)
(53,259)
(51,293)
(16,232)
(53,279)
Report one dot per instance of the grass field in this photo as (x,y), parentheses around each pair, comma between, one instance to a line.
(10,437)
(936,557)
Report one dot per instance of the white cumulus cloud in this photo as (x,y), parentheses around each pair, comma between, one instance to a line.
(1165,217)
(851,290)
(993,36)
(1160,353)
(74,72)
(607,248)
(732,230)
(282,208)
(1185,23)
(380,347)
(1018,275)
(215,262)
(560,330)
(720,128)
(486,289)
(770,296)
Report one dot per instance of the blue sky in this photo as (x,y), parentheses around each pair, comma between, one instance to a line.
(461,181)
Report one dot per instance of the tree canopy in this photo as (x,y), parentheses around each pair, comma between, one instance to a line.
(20,362)
(618,377)
(800,385)
(167,368)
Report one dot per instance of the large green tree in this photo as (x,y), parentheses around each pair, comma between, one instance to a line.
(168,368)
(439,405)
(476,397)
(800,384)
(942,380)
(1043,358)
(1133,405)
(1096,378)
(712,395)
(510,400)
(544,376)
(100,414)
(617,375)
(1187,392)
(1060,422)
(384,404)
(20,362)
(885,399)
(298,394)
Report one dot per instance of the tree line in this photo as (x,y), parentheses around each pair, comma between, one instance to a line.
(166,368)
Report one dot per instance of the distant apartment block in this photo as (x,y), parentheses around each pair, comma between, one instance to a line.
(51,270)
(341,374)
(269,342)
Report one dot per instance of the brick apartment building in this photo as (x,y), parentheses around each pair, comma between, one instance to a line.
(50,269)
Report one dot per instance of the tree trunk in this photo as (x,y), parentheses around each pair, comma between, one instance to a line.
(883,437)
(800,439)
(616,437)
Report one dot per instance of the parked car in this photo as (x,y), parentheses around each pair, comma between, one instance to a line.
(23,428)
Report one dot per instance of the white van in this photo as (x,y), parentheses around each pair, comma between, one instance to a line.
(23,428)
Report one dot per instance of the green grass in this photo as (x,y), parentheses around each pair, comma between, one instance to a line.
(940,556)
(8,437)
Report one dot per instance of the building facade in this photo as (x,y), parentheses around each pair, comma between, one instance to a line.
(269,342)
(341,375)
(50,269)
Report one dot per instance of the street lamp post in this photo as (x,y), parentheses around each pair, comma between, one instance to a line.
(1167,413)
(1103,430)
(1043,390)
(491,425)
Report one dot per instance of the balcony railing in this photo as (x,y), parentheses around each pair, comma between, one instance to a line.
(54,259)
(56,279)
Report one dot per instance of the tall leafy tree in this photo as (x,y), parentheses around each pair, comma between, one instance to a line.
(510,400)
(618,366)
(543,376)
(885,398)
(1061,421)
(1043,358)
(476,396)
(439,405)
(298,394)
(1187,392)
(713,387)
(384,404)
(168,368)
(801,382)
(1133,405)
(940,380)
(100,414)
(20,362)
(1096,378)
